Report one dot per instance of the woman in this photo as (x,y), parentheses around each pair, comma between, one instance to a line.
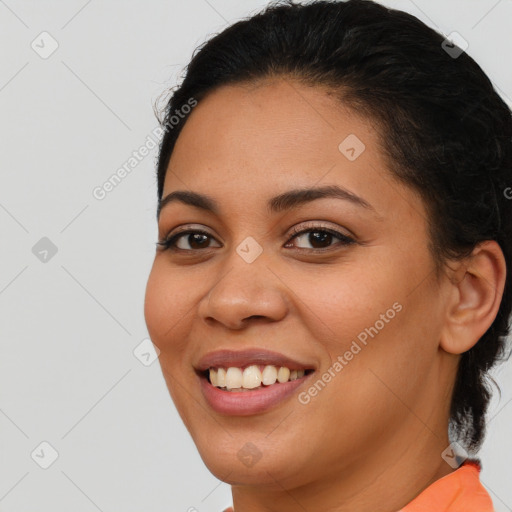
(332,278)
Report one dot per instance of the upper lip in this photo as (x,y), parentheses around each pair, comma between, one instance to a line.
(242,358)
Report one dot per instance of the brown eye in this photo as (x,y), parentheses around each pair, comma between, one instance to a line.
(190,240)
(321,238)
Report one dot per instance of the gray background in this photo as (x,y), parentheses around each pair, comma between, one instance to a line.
(70,321)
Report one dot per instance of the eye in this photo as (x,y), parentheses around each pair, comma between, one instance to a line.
(193,238)
(320,237)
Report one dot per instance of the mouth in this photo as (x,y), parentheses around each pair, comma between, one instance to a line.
(246,379)
(249,382)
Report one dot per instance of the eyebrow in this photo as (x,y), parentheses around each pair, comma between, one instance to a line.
(285,201)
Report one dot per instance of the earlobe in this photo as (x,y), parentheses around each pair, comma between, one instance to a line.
(475,298)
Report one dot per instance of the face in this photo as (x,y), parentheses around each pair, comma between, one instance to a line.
(337,284)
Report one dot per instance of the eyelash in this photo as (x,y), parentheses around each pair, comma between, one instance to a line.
(169,243)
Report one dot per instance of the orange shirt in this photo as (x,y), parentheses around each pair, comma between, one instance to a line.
(460,491)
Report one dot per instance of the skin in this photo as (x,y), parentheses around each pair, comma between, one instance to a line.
(373,437)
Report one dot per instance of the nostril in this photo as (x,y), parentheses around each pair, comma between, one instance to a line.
(254,316)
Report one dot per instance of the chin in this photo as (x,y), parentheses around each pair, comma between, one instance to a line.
(250,460)
(233,472)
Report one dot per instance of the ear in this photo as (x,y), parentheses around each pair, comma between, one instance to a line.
(474,298)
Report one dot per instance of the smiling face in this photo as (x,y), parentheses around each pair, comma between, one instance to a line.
(352,301)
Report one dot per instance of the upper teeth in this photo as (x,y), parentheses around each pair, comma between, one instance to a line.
(252,376)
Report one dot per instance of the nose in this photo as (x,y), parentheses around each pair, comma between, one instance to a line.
(245,292)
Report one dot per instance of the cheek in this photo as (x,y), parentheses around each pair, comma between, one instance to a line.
(339,302)
(167,306)
(168,313)
(373,318)
(379,332)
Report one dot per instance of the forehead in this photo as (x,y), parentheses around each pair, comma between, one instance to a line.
(258,140)
(280,116)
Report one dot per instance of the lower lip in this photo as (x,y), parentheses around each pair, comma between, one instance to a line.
(246,403)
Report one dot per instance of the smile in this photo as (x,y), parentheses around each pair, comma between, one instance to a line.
(249,382)
(252,377)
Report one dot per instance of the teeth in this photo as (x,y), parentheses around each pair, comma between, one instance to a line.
(234,378)
(269,375)
(221,378)
(252,377)
(283,375)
